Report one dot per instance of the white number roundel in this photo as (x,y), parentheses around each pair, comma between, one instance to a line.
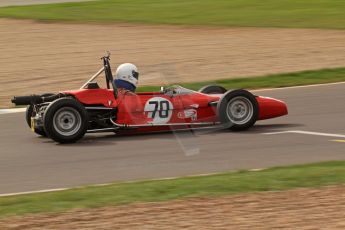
(158,109)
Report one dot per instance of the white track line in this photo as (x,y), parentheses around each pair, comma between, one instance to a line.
(17,110)
(31,192)
(307,133)
(257,170)
(121,182)
(4,3)
(300,86)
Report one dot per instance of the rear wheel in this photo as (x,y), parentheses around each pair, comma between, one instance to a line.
(65,120)
(238,110)
(30,112)
(212,89)
(28,115)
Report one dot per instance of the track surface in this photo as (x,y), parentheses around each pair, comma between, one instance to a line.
(32,163)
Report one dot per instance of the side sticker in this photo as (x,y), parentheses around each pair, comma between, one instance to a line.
(188,113)
(158,109)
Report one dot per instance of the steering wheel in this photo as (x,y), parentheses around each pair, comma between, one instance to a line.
(169,91)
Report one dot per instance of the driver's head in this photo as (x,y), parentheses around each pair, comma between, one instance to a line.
(126,76)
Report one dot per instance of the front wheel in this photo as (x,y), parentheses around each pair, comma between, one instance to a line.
(238,110)
(65,120)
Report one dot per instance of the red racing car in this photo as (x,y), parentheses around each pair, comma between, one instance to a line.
(66,117)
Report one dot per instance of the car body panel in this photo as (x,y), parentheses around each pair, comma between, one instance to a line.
(270,108)
(103,97)
(160,108)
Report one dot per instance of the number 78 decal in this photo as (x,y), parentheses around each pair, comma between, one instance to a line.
(159,109)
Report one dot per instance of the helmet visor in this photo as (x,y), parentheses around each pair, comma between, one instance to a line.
(135,74)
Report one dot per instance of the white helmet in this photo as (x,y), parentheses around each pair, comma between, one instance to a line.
(127,72)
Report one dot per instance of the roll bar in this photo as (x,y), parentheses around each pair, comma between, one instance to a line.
(108,74)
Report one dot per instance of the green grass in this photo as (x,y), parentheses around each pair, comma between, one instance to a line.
(270,81)
(279,178)
(253,13)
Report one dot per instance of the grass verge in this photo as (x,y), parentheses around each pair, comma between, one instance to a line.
(253,13)
(279,178)
(270,81)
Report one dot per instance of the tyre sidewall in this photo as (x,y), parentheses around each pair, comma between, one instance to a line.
(222,109)
(28,115)
(212,89)
(49,116)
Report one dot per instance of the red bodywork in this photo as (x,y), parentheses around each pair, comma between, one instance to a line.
(159,108)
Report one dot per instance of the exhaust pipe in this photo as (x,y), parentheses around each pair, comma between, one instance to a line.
(35,99)
(26,100)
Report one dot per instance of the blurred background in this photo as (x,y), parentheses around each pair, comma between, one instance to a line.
(55,45)
(58,46)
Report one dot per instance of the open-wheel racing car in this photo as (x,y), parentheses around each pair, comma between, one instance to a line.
(66,117)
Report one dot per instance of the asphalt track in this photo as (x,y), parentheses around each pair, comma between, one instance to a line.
(315,121)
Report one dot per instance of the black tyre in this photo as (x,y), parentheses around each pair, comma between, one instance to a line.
(28,114)
(212,89)
(238,110)
(65,120)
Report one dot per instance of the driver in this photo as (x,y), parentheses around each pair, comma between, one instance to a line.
(126,78)
(126,81)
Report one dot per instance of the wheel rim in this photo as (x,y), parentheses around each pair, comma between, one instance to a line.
(239,110)
(67,121)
